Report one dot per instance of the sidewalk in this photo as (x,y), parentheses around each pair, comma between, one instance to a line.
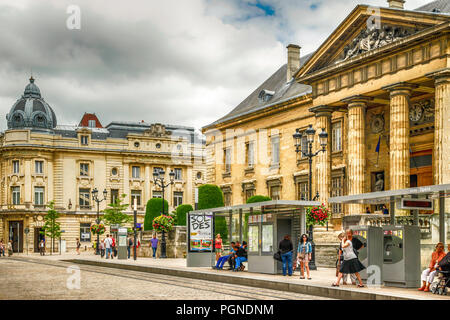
(320,285)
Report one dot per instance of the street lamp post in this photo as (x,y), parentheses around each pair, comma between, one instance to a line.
(158,179)
(323,137)
(97,200)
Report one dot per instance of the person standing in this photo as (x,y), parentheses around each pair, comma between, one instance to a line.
(102,248)
(42,248)
(218,246)
(129,245)
(78,246)
(286,247)
(154,245)
(113,247)
(304,255)
(351,264)
(10,248)
(108,246)
(2,248)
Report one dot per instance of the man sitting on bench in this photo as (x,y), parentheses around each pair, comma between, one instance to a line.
(241,256)
(223,259)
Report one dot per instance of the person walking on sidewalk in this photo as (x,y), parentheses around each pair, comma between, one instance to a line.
(102,248)
(351,263)
(218,246)
(304,255)
(2,248)
(78,246)
(10,248)
(129,245)
(108,246)
(154,245)
(285,246)
(42,248)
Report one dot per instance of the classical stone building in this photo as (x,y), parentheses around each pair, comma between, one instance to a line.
(42,161)
(380,87)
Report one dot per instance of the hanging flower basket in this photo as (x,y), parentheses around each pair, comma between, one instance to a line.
(98,228)
(317,215)
(163,223)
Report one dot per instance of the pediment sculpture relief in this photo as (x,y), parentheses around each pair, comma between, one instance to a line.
(370,39)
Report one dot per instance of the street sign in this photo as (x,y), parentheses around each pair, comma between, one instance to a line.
(416,204)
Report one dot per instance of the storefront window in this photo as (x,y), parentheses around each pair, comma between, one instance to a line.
(85,232)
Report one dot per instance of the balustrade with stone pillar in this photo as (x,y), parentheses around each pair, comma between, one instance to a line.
(356,148)
(323,162)
(399,153)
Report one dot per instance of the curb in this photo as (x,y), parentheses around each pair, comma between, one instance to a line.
(314,290)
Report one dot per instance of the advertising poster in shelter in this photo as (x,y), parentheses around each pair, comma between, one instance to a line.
(201,232)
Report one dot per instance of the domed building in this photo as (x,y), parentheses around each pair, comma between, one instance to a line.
(41,162)
(31,111)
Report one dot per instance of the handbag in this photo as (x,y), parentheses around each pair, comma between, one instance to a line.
(277,256)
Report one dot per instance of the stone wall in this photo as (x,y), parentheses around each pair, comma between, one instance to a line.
(175,243)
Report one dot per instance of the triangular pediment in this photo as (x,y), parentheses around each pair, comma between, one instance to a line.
(365,29)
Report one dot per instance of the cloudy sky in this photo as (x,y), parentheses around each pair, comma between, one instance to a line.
(184,62)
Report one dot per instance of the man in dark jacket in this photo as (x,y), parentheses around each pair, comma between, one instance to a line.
(241,256)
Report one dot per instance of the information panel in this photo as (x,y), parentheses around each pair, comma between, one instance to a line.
(253,238)
(201,232)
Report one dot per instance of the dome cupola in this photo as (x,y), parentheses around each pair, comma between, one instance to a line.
(31,111)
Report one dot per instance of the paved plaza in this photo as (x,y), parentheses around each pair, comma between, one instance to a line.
(100,282)
(47,278)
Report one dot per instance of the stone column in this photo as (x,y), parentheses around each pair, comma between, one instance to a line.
(356,148)
(399,154)
(441,154)
(323,160)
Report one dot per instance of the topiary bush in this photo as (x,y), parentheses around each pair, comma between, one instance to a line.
(258,198)
(181,213)
(152,210)
(211,196)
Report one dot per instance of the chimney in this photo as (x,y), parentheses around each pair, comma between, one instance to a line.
(293,60)
(396,4)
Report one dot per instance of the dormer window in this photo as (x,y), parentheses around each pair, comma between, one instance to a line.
(84,140)
(92,123)
(265,95)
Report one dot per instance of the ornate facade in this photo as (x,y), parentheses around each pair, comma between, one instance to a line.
(42,161)
(379,86)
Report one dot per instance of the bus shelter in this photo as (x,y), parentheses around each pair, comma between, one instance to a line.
(430,200)
(262,225)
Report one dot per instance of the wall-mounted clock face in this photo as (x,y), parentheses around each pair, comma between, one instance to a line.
(415,112)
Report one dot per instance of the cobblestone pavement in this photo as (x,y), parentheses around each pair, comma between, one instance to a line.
(32,279)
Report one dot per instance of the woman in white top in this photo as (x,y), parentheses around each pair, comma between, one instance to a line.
(351,264)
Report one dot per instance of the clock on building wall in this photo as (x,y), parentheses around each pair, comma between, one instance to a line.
(415,112)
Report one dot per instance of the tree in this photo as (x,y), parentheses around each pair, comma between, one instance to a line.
(114,214)
(153,209)
(51,228)
(181,213)
(258,198)
(211,196)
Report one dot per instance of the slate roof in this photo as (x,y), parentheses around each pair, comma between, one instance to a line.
(284,91)
(277,83)
(438,6)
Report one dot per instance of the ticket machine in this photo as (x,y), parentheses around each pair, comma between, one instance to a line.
(401,258)
(371,253)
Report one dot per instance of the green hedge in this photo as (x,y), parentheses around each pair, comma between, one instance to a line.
(211,196)
(258,198)
(154,209)
(181,213)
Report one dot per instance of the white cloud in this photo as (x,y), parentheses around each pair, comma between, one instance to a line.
(178,62)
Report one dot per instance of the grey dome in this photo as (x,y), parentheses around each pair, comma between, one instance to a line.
(31,111)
